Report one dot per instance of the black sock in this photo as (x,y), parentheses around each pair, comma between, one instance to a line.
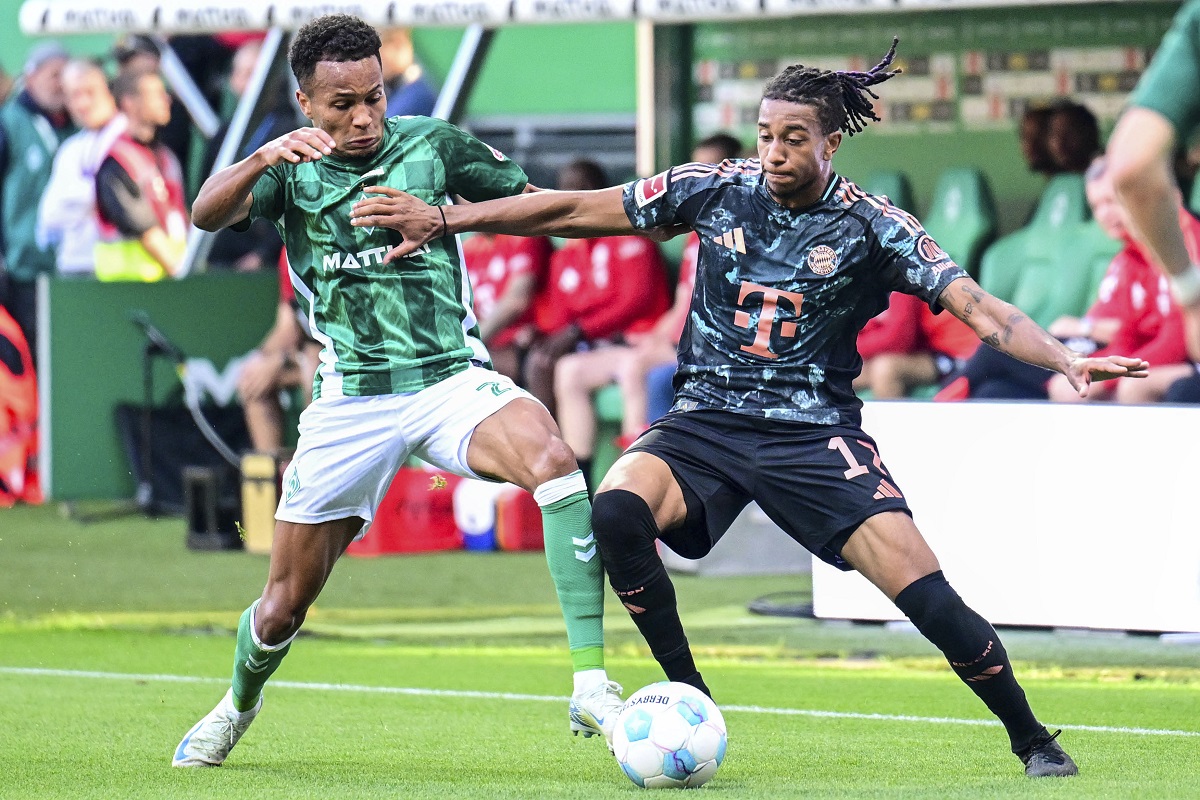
(625,531)
(585,466)
(973,649)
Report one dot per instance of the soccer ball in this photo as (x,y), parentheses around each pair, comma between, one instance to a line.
(669,735)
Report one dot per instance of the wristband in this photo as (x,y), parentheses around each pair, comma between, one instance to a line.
(442,211)
(1186,286)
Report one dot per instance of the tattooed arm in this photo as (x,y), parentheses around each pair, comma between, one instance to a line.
(1007,329)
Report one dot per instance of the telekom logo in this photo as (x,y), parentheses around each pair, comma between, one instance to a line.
(761,346)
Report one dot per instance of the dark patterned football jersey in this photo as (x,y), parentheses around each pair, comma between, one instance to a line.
(781,294)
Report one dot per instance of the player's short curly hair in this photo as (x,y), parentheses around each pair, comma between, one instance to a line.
(842,99)
(333,37)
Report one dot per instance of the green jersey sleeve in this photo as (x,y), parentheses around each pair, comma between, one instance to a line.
(267,196)
(1171,84)
(475,170)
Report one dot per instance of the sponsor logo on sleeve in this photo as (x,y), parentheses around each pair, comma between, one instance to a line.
(499,156)
(650,189)
(929,250)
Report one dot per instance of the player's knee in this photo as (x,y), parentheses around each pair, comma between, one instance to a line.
(553,460)
(968,641)
(928,600)
(279,615)
(620,518)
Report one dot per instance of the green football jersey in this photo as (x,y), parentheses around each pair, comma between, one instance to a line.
(386,328)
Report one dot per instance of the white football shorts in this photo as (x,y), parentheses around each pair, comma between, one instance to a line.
(351,447)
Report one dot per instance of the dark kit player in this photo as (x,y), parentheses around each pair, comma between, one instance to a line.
(794,260)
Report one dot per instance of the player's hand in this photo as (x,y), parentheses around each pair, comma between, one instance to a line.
(302,144)
(385,207)
(1083,371)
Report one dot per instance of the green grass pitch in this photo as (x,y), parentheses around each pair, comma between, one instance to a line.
(446,676)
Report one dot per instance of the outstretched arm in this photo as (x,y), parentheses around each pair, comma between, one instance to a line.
(1139,156)
(225,199)
(1006,328)
(575,215)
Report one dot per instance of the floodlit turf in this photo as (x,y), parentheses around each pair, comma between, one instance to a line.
(94,621)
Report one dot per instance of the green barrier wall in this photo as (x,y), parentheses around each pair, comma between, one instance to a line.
(96,362)
(545,69)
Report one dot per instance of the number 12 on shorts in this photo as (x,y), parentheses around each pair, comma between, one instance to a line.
(854,469)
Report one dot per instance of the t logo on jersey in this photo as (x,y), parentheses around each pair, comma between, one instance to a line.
(761,346)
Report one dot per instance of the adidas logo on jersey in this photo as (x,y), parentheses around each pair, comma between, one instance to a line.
(735,240)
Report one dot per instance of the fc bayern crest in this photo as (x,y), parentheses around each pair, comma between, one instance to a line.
(822,259)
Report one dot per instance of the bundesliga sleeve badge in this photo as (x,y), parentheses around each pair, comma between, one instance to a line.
(649,189)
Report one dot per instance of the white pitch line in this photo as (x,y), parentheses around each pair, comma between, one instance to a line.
(542,698)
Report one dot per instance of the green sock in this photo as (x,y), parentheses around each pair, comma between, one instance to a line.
(575,568)
(253,662)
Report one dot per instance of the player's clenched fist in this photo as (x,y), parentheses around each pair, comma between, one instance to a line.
(302,144)
(415,220)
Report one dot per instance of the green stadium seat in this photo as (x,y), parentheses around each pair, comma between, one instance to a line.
(1063,203)
(1052,267)
(962,216)
(608,404)
(609,411)
(893,185)
(1194,197)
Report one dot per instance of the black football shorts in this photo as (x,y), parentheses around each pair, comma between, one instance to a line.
(816,482)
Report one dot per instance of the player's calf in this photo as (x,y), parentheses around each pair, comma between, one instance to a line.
(976,654)
(625,531)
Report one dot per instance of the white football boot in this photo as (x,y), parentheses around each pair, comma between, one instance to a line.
(208,743)
(594,712)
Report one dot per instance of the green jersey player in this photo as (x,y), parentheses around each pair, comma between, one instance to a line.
(1163,114)
(402,368)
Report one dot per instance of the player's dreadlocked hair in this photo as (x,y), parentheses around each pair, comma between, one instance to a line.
(333,37)
(840,98)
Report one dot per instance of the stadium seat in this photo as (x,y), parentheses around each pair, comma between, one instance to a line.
(893,185)
(1194,197)
(609,409)
(1053,266)
(962,216)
